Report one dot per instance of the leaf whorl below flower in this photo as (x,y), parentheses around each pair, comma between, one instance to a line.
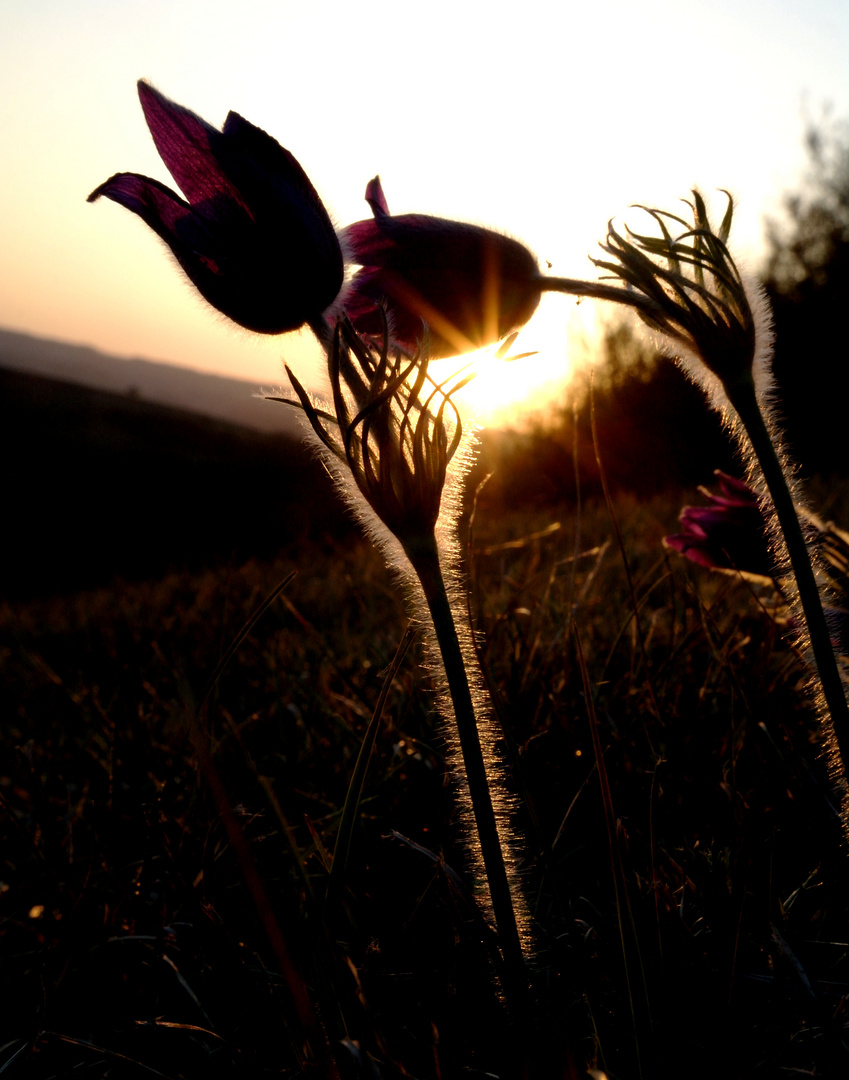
(688,287)
(393,427)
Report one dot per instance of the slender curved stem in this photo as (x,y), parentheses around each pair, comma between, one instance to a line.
(616,294)
(742,396)
(424,557)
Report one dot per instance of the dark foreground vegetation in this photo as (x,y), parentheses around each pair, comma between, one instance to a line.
(165,855)
(164,874)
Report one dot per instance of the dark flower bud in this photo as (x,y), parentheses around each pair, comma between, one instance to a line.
(470,286)
(253,237)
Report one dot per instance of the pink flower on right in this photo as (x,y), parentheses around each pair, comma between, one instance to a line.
(728,534)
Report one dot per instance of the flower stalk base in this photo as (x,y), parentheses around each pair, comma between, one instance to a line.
(424,557)
(742,396)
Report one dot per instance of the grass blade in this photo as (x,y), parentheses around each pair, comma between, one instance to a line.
(240,637)
(350,810)
(634,974)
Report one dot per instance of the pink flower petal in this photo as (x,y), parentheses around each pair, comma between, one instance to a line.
(376,199)
(188,147)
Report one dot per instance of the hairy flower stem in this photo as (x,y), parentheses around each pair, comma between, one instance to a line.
(741,393)
(576,287)
(424,557)
(742,396)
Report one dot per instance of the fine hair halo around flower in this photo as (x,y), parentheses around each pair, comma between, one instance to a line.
(688,287)
(394,431)
(689,290)
(252,235)
(393,427)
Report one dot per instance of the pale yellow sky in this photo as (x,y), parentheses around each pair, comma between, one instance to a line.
(542,120)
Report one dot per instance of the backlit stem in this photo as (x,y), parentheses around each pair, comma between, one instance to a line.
(743,397)
(598,291)
(424,556)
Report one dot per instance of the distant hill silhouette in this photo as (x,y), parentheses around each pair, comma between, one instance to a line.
(165,384)
(97,484)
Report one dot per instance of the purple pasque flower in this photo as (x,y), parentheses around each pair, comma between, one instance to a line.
(728,534)
(731,535)
(253,237)
(469,286)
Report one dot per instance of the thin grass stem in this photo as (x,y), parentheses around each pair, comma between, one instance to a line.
(313,1049)
(635,978)
(350,810)
(635,607)
(240,637)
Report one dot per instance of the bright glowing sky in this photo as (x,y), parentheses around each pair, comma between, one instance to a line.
(542,119)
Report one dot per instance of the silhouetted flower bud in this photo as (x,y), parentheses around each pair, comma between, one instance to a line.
(470,286)
(254,237)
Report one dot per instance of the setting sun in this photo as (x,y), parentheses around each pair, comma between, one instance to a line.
(534,371)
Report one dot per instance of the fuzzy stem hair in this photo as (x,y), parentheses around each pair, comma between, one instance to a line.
(744,399)
(424,558)
(388,439)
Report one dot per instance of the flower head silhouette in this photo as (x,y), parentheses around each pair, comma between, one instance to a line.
(394,429)
(253,237)
(688,288)
(469,285)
